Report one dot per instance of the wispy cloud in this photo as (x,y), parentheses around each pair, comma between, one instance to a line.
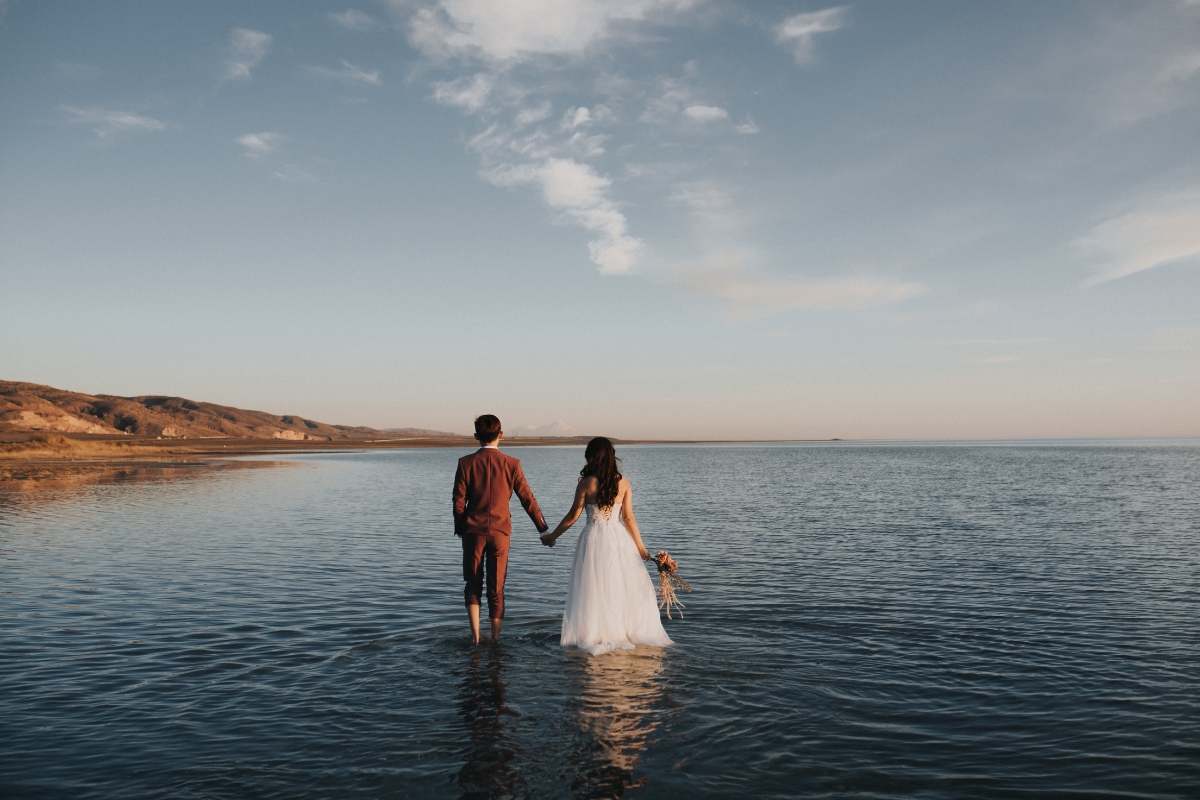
(716,221)
(290,173)
(505,55)
(995,342)
(581,193)
(353,20)
(747,127)
(519,29)
(752,293)
(705,113)
(258,145)
(1137,242)
(800,30)
(670,97)
(106,123)
(244,50)
(5,5)
(347,74)
(469,92)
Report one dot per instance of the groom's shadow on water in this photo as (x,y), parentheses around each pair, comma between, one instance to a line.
(490,767)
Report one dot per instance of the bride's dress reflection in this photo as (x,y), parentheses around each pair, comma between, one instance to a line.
(489,768)
(617,709)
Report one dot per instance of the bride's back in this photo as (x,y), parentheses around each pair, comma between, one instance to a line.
(591,487)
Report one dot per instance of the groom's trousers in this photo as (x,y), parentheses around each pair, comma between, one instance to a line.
(492,552)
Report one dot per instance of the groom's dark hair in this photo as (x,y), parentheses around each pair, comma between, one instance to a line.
(487,428)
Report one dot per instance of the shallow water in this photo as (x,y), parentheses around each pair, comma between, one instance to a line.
(868,621)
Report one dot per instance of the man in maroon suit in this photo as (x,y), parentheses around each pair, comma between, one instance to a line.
(485,481)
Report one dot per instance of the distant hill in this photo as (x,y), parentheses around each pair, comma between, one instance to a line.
(422,432)
(554,429)
(28,407)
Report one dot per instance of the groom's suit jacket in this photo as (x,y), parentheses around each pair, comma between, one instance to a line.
(485,481)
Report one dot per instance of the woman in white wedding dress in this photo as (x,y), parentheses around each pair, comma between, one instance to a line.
(611,603)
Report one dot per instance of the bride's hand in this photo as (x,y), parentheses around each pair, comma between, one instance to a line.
(644,553)
(547,540)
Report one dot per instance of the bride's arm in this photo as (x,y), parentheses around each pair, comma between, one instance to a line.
(631,521)
(576,509)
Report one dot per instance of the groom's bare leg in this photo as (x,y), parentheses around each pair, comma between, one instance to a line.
(473,615)
(496,557)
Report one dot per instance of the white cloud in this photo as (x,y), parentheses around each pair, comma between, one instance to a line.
(1140,241)
(290,173)
(347,74)
(751,293)
(517,29)
(468,92)
(705,113)
(747,127)
(245,49)
(576,117)
(799,31)
(260,144)
(105,123)
(672,96)
(528,116)
(353,20)
(581,193)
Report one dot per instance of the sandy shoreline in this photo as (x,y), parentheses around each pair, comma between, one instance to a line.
(29,458)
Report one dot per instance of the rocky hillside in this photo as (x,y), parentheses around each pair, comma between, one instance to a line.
(30,407)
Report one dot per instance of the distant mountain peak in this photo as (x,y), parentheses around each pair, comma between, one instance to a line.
(551,429)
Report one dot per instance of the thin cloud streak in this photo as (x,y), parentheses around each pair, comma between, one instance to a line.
(1136,242)
(258,145)
(106,123)
(705,113)
(754,293)
(353,20)
(800,31)
(347,74)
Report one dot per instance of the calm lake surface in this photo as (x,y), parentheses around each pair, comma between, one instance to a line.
(935,621)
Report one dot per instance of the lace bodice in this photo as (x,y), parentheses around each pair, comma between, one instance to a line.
(595,512)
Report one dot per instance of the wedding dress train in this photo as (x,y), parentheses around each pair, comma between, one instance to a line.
(611,604)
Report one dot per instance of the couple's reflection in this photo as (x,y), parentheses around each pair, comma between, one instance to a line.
(490,767)
(617,708)
(614,703)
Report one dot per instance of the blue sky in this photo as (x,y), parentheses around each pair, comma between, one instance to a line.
(646,218)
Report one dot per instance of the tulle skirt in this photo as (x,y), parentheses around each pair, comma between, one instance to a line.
(611,604)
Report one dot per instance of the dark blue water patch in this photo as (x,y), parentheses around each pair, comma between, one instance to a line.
(868,621)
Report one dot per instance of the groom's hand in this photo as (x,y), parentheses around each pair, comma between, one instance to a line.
(547,540)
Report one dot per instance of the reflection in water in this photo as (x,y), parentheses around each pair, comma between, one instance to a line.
(489,768)
(617,711)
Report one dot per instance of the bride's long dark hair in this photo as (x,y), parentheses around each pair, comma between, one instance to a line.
(602,464)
